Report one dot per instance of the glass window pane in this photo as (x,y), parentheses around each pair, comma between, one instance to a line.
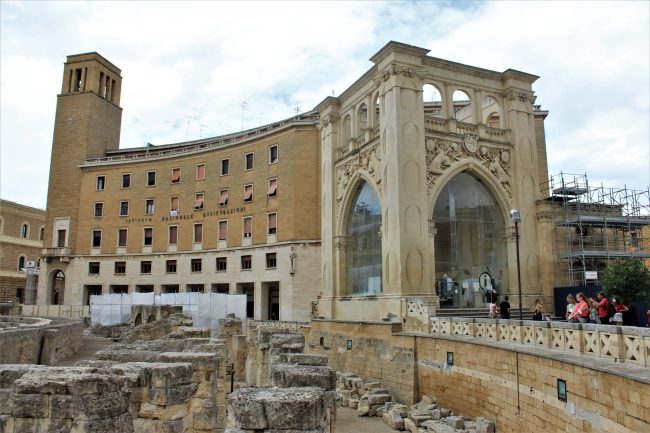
(363,243)
(470,239)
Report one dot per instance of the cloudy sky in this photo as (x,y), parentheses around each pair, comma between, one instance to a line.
(187,68)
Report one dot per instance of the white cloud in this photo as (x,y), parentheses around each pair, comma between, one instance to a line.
(202,59)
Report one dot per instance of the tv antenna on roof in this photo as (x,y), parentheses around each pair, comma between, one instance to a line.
(244,106)
(297,110)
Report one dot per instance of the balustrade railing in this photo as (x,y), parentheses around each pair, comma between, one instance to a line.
(614,343)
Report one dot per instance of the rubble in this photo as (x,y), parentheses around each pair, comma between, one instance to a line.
(425,416)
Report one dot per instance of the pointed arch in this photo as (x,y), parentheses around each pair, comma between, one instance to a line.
(469,215)
(358,226)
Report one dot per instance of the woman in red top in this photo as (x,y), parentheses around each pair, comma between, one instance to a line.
(580,313)
(620,309)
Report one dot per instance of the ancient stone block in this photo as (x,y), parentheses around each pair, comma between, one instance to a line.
(455,422)
(484,425)
(394,420)
(378,399)
(303,359)
(170,396)
(285,376)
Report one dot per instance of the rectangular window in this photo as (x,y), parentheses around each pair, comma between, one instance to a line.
(97,238)
(223,197)
(248,227)
(176,175)
(273,223)
(222,264)
(173,235)
(246,263)
(148,236)
(273,154)
(93,268)
(145,267)
(120,267)
(121,237)
(196,265)
(151,178)
(60,239)
(126,180)
(273,188)
(225,167)
(198,233)
(248,161)
(200,172)
(124,208)
(271,261)
(198,201)
(171,266)
(149,206)
(248,193)
(174,204)
(223,230)
(101,182)
(99,210)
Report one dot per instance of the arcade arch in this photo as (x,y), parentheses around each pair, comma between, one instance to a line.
(363,268)
(470,239)
(462,106)
(57,287)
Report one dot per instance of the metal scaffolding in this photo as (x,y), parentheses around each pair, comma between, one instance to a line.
(595,225)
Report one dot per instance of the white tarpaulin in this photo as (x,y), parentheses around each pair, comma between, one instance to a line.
(205,309)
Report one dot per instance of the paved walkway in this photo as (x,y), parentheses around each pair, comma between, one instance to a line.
(347,421)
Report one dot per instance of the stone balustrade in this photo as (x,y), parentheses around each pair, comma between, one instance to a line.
(615,343)
(434,124)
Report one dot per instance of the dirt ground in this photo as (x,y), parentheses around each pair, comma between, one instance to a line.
(347,420)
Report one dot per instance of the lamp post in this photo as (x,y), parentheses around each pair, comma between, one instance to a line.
(516,218)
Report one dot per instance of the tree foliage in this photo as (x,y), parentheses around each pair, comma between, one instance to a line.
(627,279)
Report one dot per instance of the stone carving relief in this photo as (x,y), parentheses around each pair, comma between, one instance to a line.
(513,95)
(395,69)
(441,154)
(368,160)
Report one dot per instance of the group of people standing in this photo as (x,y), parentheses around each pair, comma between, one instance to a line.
(578,310)
(588,310)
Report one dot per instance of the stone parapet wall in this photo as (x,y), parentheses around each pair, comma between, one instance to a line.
(44,344)
(613,343)
(483,382)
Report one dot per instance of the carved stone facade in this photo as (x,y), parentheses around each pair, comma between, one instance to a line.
(494,134)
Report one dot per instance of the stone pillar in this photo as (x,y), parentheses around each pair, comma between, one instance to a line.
(405,244)
(330,140)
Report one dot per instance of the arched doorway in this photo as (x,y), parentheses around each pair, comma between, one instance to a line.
(363,243)
(469,242)
(57,287)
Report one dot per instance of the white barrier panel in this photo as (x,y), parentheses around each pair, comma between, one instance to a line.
(205,309)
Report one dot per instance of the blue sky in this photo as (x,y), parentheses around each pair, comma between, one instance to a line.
(201,60)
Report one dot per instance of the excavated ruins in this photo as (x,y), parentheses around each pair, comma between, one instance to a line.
(166,376)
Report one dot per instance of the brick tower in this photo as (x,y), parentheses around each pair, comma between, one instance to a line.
(87,125)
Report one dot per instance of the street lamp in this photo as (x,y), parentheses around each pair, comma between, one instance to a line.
(516,217)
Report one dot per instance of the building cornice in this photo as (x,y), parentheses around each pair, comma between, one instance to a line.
(20,241)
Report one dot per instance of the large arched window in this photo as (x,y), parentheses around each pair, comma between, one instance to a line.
(57,287)
(363,243)
(470,240)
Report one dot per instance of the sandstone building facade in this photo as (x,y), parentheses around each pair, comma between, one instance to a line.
(236,214)
(21,239)
(407,180)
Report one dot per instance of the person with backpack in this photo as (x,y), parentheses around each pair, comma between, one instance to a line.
(601,304)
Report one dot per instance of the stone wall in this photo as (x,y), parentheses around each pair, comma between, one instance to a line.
(375,353)
(43,344)
(483,381)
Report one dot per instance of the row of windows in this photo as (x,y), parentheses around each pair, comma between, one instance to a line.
(196,265)
(199,201)
(175,177)
(172,238)
(24,230)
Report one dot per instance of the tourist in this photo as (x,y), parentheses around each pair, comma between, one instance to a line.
(620,309)
(580,313)
(601,304)
(538,311)
(504,308)
(493,310)
(570,305)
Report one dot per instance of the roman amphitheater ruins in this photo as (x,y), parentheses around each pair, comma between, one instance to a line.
(277,279)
